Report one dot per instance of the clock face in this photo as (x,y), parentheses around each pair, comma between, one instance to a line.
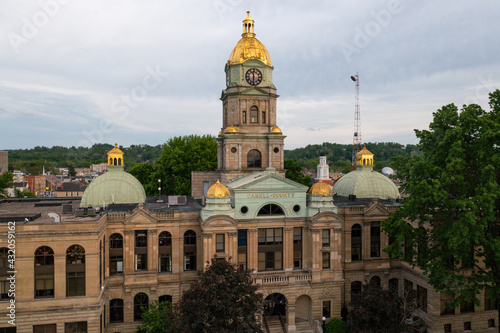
(253,76)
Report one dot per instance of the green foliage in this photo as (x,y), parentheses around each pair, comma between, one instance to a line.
(157,318)
(181,156)
(223,300)
(335,325)
(5,179)
(374,309)
(25,194)
(453,202)
(294,172)
(144,172)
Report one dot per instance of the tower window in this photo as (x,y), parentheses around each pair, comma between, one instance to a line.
(254,159)
(254,114)
(244,117)
(263,117)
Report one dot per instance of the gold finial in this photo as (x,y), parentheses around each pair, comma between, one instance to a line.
(248,26)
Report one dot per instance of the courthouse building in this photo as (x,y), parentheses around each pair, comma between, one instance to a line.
(89,265)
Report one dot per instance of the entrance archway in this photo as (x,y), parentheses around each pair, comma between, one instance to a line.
(275,304)
(303,308)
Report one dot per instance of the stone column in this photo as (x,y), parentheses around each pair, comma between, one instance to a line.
(177,252)
(269,154)
(316,254)
(207,253)
(152,250)
(306,248)
(288,249)
(232,246)
(128,252)
(252,249)
(337,253)
(59,276)
(365,234)
(290,318)
(239,156)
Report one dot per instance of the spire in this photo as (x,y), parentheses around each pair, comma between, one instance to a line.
(248,26)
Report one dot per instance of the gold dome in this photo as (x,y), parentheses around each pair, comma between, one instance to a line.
(320,188)
(218,190)
(231,129)
(115,156)
(276,130)
(249,47)
(220,133)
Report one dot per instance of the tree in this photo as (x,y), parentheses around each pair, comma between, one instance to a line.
(224,299)
(144,172)
(335,325)
(294,172)
(452,207)
(374,309)
(157,318)
(24,194)
(5,179)
(180,156)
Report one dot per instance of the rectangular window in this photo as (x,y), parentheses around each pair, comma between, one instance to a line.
(297,247)
(242,249)
(190,261)
(327,309)
(49,328)
(165,264)
(44,285)
(79,327)
(326,237)
(75,283)
(141,238)
(447,328)
(490,303)
(219,243)
(263,117)
(491,323)
(467,326)
(141,262)
(4,289)
(325,260)
(270,249)
(446,308)
(422,298)
(375,240)
(467,305)
(115,265)
(205,188)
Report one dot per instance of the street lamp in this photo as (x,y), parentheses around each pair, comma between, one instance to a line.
(159,187)
(324,327)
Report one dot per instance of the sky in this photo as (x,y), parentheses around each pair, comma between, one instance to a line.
(76,73)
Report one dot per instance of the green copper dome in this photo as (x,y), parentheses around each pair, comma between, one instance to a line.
(366,183)
(115,186)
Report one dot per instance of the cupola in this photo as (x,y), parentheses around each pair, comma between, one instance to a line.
(115,156)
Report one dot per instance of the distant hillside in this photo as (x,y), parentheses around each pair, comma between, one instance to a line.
(339,155)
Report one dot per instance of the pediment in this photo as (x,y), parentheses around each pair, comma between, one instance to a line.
(376,209)
(268,182)
(327,217)
(141,215)
(219,221)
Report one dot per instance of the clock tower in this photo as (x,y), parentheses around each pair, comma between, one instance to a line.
(250,139)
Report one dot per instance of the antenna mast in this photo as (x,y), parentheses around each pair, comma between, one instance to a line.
(356,139)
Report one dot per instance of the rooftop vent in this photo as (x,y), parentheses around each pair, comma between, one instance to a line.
(80,212)
(67,208)
(352,197)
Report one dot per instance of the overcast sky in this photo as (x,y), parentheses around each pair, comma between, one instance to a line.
(74,73)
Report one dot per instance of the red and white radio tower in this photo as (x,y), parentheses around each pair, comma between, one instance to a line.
(356,139)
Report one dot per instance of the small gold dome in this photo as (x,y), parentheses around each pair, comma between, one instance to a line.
(249,47)
(220,133)
(320,188)
(231,129)
(276,130)
(218,190)
(115,156)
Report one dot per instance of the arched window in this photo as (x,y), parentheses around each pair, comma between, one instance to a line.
(270,210)
(165,251)
(394,286)
(4,254)
(165,298)
(355,287)
(110,161)
(254,159)
(116,310)
(119,161)
(115,254)
(375,240)
(44,272)
(75,271)
(375,280)
(356,243)
(254,114)
(115,163)
(140,300)
(190,250)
